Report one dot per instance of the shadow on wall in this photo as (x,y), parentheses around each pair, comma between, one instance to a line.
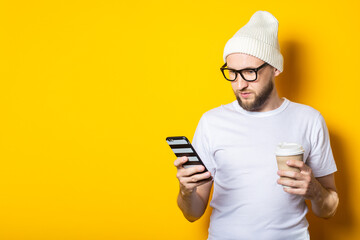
(343,221)
(289,85)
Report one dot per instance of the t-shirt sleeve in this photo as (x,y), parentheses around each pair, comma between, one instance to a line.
(201,143)
(321,159)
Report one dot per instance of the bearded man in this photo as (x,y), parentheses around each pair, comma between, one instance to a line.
(237,144)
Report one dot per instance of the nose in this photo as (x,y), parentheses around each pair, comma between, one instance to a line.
(241,83)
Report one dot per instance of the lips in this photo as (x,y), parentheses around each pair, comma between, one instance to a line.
(245,94)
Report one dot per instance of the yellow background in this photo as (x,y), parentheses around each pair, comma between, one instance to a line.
(90,90)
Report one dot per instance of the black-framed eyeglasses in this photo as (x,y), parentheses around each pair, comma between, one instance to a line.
(248,74)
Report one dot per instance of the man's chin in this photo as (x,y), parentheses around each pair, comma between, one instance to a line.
(246,104)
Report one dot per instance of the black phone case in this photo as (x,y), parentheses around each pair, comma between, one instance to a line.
(181,146)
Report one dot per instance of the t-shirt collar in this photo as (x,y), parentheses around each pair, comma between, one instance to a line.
(262,114)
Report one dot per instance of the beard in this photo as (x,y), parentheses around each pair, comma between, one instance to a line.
(259,100)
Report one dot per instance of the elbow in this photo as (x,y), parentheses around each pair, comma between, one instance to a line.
(331,209)
(330,215)
(191,218)
(336,204)
(327,216)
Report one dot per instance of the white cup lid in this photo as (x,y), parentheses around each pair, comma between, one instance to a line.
(289,149)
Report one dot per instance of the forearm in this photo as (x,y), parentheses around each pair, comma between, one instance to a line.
(191,204)
(325,202)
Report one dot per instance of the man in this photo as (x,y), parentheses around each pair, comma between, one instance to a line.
(237,144)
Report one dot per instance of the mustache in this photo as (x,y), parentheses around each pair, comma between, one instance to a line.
(244,90)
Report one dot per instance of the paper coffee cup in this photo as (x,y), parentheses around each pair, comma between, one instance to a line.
(288,151)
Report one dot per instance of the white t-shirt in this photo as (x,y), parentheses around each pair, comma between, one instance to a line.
(238,148)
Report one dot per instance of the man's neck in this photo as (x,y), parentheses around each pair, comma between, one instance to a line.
(272,103)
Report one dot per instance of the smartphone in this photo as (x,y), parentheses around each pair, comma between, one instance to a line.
(181,146)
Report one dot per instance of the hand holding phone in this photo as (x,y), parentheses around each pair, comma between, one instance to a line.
(182,147)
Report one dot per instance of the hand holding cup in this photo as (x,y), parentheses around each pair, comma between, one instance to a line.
(286,152)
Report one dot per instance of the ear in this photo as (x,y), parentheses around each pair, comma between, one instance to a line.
(276,72)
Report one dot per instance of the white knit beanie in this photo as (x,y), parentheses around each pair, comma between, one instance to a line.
(259,38)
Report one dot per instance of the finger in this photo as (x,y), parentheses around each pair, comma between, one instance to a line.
(290,174)
(180,161)
(189,171)
(204,177)
(291,183)
(296,191)
(197,178)
(209,179)
(299,164)
(296,163)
